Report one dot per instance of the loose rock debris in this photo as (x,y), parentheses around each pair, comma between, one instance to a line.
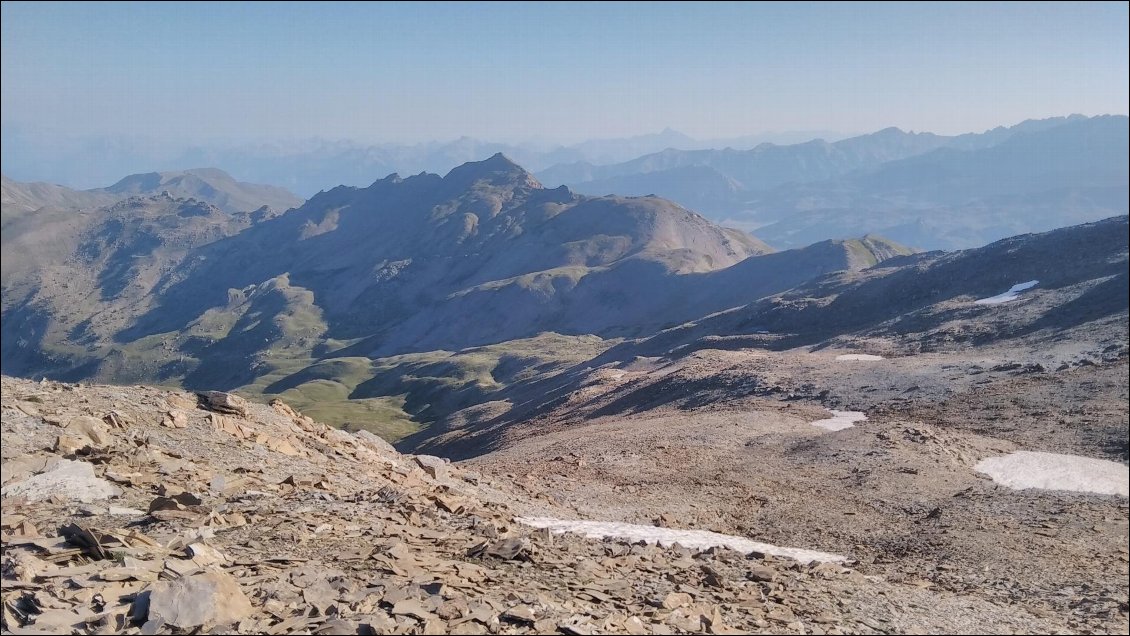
(268,522)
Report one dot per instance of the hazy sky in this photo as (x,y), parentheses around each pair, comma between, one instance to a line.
(411,72)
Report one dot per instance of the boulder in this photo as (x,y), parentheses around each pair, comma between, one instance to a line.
(376,442)
(221,402)
(71,480)
(432,465)
(211,598)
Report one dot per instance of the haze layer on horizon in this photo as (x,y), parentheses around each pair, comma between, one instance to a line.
(410,72)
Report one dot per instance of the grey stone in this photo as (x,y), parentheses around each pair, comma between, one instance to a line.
(70,480)
(210,598)
(432,465)
(376,442)
(221,402)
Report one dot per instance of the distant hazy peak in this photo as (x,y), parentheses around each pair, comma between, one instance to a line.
(495,162)
(1051,121)
(391,180)
(206,184)
(209,173)
(497,170)
(147,180)
(18,197)
(863,252)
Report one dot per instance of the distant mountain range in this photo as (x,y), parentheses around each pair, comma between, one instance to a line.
(926,190)
(921,189)
(419,296)
(177,289)
(208,185)
(766,165)
(307,167)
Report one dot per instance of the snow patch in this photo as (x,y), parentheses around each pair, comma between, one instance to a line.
(693,539)
(1012,294)
(858,356)
(1053,471)
(841,420)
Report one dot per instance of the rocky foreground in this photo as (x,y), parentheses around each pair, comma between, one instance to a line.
(147,510)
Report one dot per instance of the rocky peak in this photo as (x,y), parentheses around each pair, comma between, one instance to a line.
(392,178)
(497,170)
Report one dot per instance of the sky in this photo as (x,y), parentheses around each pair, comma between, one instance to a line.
(409,72)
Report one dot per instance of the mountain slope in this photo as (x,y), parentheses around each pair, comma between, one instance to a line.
(17,198)
(437,384)
(1075,316)
(376,257)
(73,278)
(206,184)
(925,301)
(406,273)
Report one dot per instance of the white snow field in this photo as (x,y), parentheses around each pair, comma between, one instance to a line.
(840,420)
(693,539)
(1012,294)
(1052,471)
(857,356)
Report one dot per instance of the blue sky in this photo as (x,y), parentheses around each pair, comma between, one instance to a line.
(564,72)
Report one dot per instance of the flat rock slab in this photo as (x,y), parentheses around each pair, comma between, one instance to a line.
(24,466)
(221,402)
(71,480)
(210,598)
(376,442)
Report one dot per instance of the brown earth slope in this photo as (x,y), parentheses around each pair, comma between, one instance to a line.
(143,510)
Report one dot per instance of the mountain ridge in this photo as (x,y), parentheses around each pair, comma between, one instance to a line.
(1033,181)
(404,267)
(209,185)
(906,306)
(920,189)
